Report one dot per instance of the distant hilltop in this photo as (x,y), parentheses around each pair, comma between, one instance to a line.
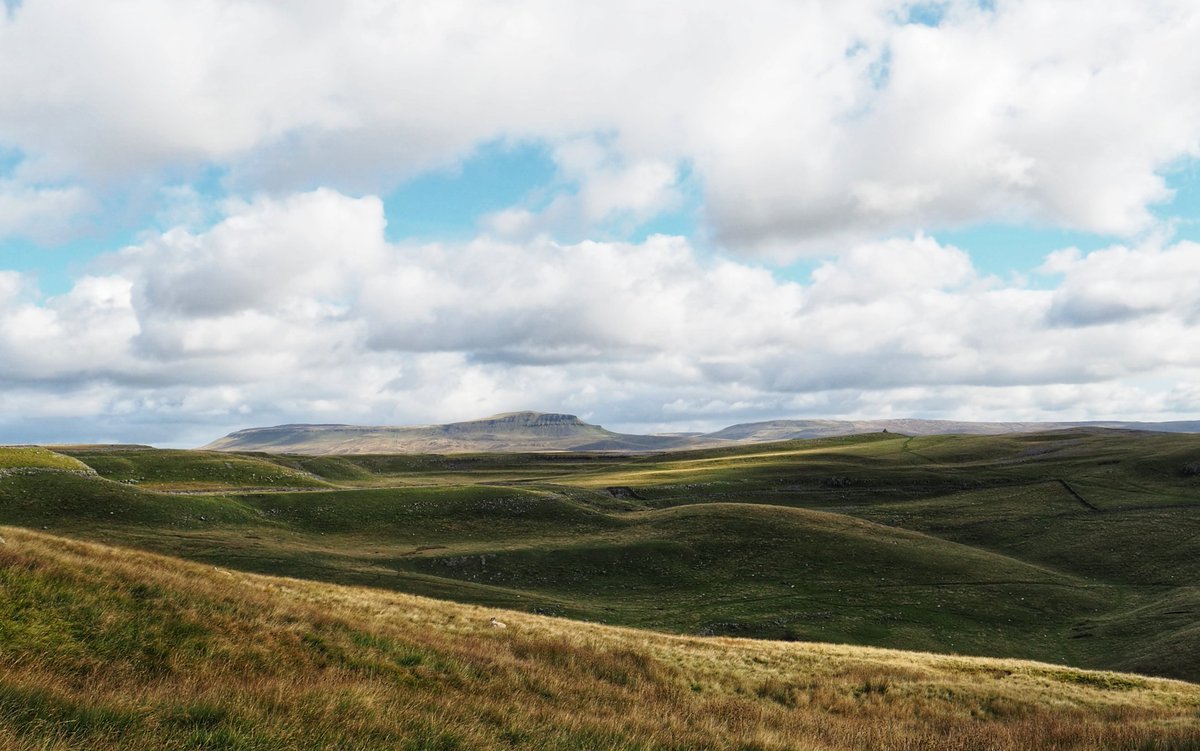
(548,431)
(782,430)
(508,432)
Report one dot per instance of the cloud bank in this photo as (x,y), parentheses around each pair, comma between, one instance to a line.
(297,308)
(808,126)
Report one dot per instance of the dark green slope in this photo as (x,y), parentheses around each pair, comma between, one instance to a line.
(789,573)
(70,502)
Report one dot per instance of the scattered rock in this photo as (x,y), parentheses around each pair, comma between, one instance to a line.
(622,491)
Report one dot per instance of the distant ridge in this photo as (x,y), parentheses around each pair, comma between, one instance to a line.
(549,431)
(782,430)
(508,432)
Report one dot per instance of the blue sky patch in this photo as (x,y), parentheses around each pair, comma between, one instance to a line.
(1004,250)
(1184,208)
(447,204)
(926,14)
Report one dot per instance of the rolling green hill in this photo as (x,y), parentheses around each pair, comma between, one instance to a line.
(103,648)
(1079,547)
(18,458)
(189,470)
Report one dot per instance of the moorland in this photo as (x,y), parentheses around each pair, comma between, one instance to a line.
(1076,548)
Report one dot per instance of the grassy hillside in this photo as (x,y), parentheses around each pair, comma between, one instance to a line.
(36,457)
(190,470)
(712,568)
(103,649)
(802,575)
(1077,547)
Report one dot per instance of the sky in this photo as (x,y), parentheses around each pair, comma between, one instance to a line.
(660,216)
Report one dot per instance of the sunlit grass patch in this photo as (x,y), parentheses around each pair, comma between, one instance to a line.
(36,457)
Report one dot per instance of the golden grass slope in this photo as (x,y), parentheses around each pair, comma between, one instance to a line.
(107,648)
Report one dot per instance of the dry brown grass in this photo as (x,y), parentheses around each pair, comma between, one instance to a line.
(105,648)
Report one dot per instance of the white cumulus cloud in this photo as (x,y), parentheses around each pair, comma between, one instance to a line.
(806,125)
(296,308)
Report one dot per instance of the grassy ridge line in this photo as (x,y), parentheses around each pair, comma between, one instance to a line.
(166,469)
(104,648)
(927,465)
(36,457)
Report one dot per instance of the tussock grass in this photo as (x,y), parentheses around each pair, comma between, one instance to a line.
(103,648)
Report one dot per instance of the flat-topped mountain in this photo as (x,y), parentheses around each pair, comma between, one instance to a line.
(548,431)
(508,432)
